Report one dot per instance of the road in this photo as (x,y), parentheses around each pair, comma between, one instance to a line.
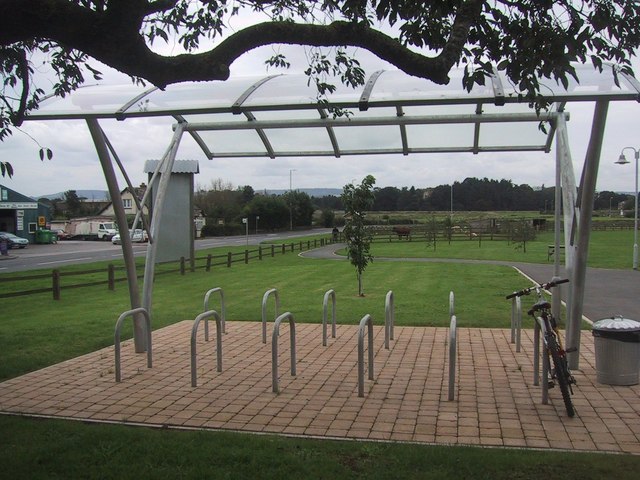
(70,252)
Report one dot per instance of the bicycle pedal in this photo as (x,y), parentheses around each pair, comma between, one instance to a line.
(571,350)
(551,384)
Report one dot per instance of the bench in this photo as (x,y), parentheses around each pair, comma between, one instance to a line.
(551,250)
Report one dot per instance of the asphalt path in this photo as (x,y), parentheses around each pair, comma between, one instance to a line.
(69,252)
(608,292)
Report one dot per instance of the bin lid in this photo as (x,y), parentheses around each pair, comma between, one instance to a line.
(616,324)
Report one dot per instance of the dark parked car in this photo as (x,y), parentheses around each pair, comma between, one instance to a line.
(13,241)
(61,234)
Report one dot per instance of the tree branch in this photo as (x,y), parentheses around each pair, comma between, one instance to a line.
(23,68)
(117,41)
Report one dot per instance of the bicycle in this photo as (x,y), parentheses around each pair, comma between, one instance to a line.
(541,312)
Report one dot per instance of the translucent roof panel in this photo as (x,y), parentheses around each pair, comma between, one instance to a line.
(234,143)
(194,97)
(436,137)
(296,91)
(89,101)
(591,85)
(300,140)
(502,135)
(374,137)
(393,112)
(394,86)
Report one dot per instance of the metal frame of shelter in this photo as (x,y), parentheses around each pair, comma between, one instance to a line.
(392,114)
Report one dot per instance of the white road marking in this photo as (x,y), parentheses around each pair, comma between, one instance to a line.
(63,261)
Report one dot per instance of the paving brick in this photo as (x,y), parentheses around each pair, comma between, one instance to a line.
(495,404)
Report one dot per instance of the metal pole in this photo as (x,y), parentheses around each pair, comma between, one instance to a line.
(164,168)
(635,221)
(587,194)
(451,199)
(624,161)
(291,198)
(121,219)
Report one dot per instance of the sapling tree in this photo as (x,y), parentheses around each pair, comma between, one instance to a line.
(357,200)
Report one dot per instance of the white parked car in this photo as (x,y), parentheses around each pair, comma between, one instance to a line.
(13,241)
(137,236)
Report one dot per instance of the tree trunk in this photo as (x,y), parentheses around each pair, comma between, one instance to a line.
(360,292)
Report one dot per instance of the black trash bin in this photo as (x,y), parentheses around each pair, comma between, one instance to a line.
(617,349)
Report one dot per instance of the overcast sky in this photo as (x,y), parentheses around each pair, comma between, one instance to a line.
(75,164)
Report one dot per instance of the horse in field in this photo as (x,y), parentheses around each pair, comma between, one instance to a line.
(402,232)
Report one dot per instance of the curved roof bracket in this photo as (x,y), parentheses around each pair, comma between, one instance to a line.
(476,130)
(554,126)
(263,136)
(331,133)
(194,134)
(235,108)
(121,113)
(633,83)
(363,104)
(403,131)
(498,89)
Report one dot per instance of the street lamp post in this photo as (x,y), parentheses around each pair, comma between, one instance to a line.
(623,161)
(451,200)
(246,225)
(291,199)
(257,218)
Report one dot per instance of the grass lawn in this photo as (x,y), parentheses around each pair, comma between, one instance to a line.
(36,331)
(607,249)
(44,449)
(41,331)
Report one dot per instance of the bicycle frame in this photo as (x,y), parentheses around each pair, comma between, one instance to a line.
(554,351)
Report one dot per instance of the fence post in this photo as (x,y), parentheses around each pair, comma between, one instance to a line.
(293,247)
(55,278)
(208,262)
(315,242)
(246,256)
(273,250)
(229,259)
(111,274)
(283,248)
(192,262)
(181,265)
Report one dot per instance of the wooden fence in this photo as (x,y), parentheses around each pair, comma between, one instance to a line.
(110,277)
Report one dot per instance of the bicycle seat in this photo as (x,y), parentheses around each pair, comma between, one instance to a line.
(540,305)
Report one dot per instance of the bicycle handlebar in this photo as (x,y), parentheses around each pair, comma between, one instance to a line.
(544,286)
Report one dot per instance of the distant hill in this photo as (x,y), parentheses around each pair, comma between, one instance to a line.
(95,195)
(312,192)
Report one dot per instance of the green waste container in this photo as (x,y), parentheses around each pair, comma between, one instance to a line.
(45,236)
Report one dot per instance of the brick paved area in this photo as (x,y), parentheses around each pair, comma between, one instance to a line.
(495,402)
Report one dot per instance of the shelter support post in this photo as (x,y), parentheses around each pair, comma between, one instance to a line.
(99,141)
(568,198)
(587,194)
(165,167)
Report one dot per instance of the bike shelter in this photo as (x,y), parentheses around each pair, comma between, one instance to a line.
(393,113)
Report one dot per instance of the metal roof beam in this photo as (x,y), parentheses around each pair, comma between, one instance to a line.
(371,121)
(331,133)
(263,136)
(385,151)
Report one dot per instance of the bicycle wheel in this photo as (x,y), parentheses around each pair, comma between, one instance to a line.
(562,373)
